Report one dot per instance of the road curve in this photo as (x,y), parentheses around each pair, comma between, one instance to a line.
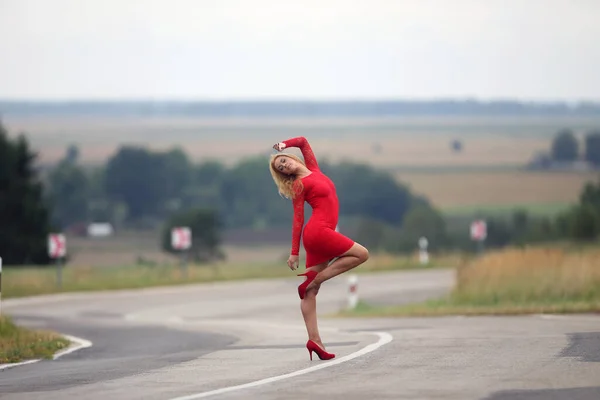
(244,340)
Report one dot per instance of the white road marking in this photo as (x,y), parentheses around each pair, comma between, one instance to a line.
(79,344)
(384,338)
(6,366)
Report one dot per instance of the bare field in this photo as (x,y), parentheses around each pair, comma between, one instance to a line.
(405,151)
(414,141)
(464,189)
(131,248)
(433,151)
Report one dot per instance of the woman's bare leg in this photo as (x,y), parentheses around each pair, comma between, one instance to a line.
(357,255)
(308,305)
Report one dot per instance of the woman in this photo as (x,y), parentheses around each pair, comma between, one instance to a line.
(304,181)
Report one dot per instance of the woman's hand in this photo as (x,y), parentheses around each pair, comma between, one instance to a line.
(279,146)
(292,262)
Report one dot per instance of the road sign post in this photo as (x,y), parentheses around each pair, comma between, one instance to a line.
(479,233)
(181,239)
(57,249)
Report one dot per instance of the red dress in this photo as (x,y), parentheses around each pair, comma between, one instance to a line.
(321,241)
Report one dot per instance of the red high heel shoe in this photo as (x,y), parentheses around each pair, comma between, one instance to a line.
(323,355)
(310,276)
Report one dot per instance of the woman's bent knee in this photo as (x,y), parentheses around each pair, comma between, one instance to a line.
(363,254)
(359,251)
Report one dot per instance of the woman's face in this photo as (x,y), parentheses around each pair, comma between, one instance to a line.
(286,165)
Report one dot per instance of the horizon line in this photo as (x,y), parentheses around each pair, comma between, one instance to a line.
(463,99)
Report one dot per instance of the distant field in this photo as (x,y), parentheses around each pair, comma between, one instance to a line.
(486,173)
(408,141)
(132,247)
(541,209)
(462,192)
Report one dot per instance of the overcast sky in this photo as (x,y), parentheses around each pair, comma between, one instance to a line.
(308,49)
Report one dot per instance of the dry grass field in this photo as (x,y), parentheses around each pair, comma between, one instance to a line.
(556,279)
(536,273)
(460,191)
(403,150)
(413,141)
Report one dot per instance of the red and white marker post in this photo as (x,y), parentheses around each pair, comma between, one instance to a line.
(479,233)
(57,249)
(181,239)
(352,291)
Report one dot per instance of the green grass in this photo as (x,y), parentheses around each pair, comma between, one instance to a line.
(513,281)
(29,281)
(20,344)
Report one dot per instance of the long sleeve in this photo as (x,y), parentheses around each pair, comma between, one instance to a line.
(298,223)
(307,153)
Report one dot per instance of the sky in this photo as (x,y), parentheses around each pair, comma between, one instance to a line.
(310,50)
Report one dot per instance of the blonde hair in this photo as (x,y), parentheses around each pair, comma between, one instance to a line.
(287,185)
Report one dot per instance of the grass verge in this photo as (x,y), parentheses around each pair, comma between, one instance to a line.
(20,344)
(511,282)
(30,281)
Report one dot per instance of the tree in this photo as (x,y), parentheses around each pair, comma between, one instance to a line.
(590,194)
(206,233)
(592,148)
(424,221)
(149,184)
(72,155)
(135,176)
(565,146)
(365,191)
(25,219)
(209,173)
(582,222)
(249,196)
(68,188)
(372,233)
(177,174)
(520,224)
(205,185)
(499,233)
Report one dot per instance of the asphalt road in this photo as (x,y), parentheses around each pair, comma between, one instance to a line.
(245,340)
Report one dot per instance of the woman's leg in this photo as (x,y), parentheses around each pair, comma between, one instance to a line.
(308,305)
(357,255)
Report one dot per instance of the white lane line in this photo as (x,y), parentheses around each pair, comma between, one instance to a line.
(6,366)
(79,344)
(384,338)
